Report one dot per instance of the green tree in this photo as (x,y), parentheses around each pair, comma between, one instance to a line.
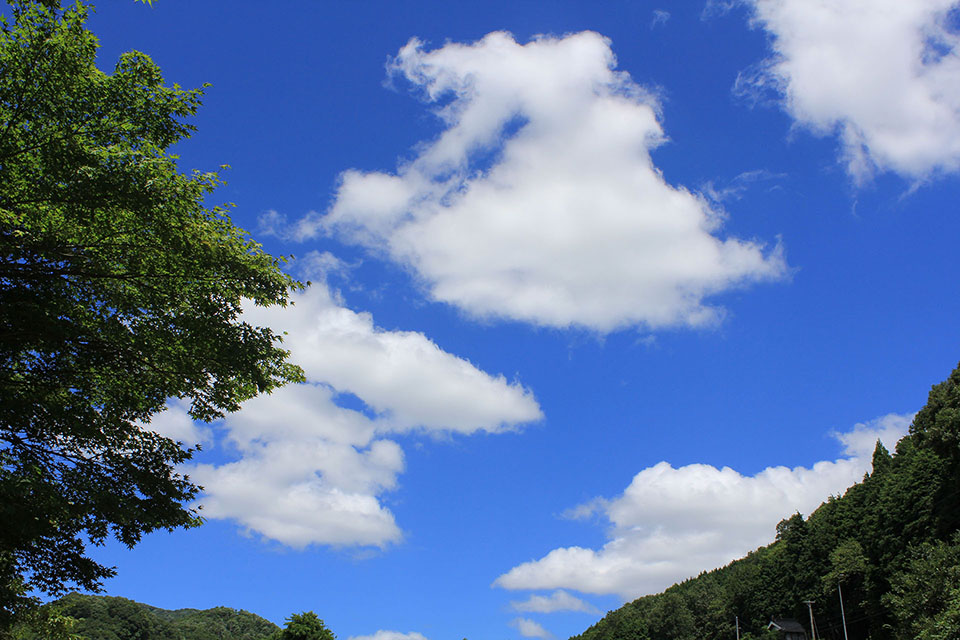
(43,624)
(925,596)
(305,626)
(937,424)
(847,562)
(119,290)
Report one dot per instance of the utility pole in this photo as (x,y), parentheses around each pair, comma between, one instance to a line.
(813,630)
(843,616)
(736,619)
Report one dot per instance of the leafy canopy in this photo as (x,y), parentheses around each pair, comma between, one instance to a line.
(119,289)
(304,626)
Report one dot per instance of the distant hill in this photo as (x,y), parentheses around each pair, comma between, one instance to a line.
(891,543)
(110,618)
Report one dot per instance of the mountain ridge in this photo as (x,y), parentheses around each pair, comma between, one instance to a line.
(890,545)
(100,617)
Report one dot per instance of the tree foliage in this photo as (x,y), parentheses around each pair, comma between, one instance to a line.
(924,596)
(45,624)
(119,289)
(892,542)
(305,626)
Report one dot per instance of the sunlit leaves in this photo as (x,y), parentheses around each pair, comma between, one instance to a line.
(119,289)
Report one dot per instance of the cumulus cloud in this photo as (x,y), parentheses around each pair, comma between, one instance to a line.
(402,375)
(883,75)
(559,600)
(310,470)
(539,200)
(530,629)
(671,523)
(290,492)
(390,635)
(860,443)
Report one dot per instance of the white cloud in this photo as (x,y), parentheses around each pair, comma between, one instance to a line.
(274,223)
(175,423)
(311,471)
(539,200)
(861,442)
(557,601)
(405,377)
(390,635)
(320,265)
(307,491)
(671,523)
(884,75)
(530,629)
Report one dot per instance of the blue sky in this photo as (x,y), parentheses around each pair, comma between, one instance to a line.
(601,292)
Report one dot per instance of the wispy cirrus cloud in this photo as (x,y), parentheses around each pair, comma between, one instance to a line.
(660,18)
(733,190)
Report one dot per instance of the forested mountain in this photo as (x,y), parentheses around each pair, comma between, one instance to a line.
(890,544)
(109,618)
